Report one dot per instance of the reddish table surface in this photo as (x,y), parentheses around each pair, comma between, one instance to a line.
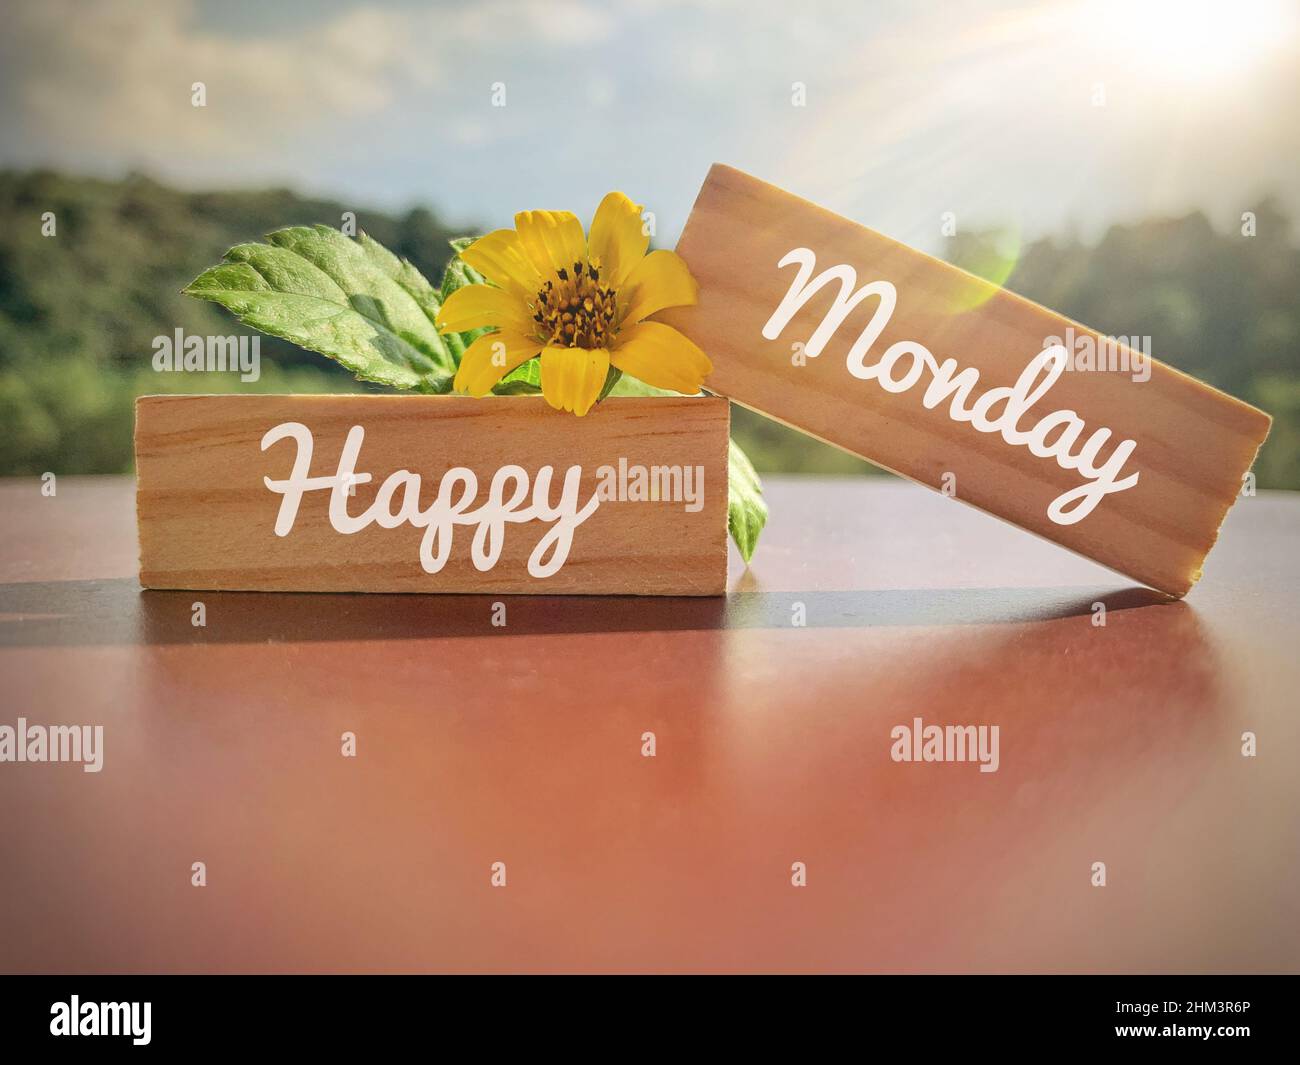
(476,744)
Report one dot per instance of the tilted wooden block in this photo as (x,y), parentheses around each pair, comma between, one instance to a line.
(953,382)
(432,494)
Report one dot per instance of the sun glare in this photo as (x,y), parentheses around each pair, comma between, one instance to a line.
(1197,41)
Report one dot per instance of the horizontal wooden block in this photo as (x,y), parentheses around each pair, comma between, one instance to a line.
(955,383)
(437,494)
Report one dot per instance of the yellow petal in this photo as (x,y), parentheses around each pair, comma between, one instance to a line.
(617,240)
(552,240)
(573,377)
(483,306)
(661,356)
(490,358)
(662,279)
(500,258)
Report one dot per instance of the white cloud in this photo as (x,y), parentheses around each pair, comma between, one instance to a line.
(113,77)
(913,109)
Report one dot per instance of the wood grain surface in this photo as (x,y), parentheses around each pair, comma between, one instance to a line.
(1193,443)
(477,744)
(208,521)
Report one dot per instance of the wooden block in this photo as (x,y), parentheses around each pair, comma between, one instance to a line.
(896,350)
(636,503)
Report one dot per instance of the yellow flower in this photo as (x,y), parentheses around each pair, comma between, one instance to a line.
(580,301)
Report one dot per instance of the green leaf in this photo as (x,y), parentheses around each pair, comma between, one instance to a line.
(404,272)
(524,380)
(611,379)
(632,386)
(352,301)
(746,510)
(457,274)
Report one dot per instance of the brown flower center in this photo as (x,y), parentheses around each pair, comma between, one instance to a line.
(575,310)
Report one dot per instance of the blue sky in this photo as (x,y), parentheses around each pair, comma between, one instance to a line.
(1036,117)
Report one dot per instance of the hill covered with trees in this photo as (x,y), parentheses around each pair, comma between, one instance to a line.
(79,309)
